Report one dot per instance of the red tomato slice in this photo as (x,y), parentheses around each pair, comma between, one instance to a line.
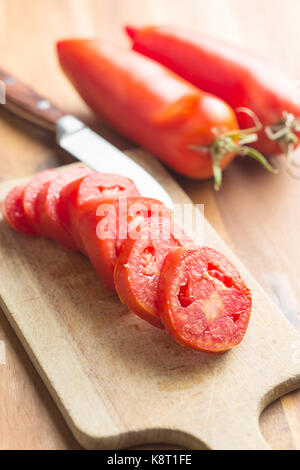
(203,301)
(66,208)
(139,264)
(47,203)
(31,192)
(98,186)
(104,226)
(14,211)
(105,185)
(131,215)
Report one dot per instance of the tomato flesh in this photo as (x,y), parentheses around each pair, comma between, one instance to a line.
(105,185)
(203,302)
(98,186)
(132,215)
(104,227)
(31,193)
(139,264)
(196,294)
(47,206)
(14,211)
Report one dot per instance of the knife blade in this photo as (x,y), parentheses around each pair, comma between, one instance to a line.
(94,151)
(76,138)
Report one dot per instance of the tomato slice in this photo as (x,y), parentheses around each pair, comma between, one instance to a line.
(31,192)
(131,215)
(104,226)
(99,186)
(14,211)
(203,301)
(139,264)
(101,251)
(47,204)
(105,185)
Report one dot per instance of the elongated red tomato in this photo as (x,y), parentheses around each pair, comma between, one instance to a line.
(47,203)
(14,211)
(139,264)
(98,186)
(236,76)
(104,226)
(31,193)
(202,300)
(193,132)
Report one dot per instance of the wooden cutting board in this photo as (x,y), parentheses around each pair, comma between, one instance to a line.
(120,382)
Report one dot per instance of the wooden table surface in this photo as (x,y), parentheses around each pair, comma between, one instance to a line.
(256,213)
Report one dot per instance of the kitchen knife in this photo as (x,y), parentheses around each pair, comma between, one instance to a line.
(76,138)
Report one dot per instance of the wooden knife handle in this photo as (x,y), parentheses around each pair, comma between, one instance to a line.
(29,105)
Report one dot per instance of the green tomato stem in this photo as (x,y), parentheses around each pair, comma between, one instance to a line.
(251,152)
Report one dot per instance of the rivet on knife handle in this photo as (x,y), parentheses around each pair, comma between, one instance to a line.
(27,104)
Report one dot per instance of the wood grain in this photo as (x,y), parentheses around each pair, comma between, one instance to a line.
(28,31)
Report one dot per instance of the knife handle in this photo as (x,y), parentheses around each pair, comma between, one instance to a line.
(24,102)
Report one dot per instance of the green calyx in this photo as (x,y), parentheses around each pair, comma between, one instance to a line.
(235,142)
(284,130)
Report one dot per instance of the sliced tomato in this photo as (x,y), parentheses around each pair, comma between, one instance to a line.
(203,301)
(101,251)
(104,226)
(139,264)
(106,185)
(14,211)
(98,186)
(47,204)
(31,192)
(66,211)
(131,215)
